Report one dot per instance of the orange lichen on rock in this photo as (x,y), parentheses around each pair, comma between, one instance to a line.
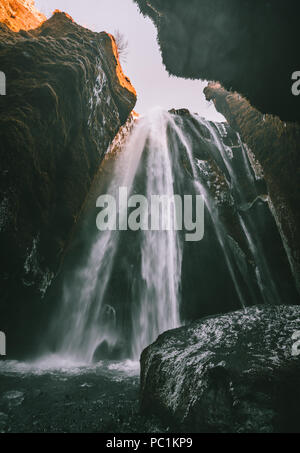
(123,79)
(20,14)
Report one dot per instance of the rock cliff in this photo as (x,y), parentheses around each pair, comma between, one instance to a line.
(66,99)
(275,145)
(237,190)
(249,46)
(233,373)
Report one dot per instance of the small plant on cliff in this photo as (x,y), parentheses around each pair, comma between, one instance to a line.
(122,45)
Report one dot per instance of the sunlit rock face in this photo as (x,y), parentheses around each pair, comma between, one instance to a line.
(249,47)
(237,372)
(275,145)
(65,102)
(20,14)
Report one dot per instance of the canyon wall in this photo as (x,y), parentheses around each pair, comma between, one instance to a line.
(66,99)
(275,145)
(249,46)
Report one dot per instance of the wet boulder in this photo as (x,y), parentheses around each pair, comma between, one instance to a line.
(238,372)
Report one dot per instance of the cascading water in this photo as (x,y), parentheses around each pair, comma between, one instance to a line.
(242,181)
(126,287)
(86,320)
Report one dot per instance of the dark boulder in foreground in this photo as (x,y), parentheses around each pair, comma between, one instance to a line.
(237,372)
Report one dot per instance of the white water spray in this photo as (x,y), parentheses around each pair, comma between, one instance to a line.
(156,159)
(85,318)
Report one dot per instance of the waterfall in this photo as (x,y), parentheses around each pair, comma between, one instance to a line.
(161,251)
(122,288)
(85,319)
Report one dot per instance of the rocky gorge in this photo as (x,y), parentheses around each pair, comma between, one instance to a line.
(214,323)
(257,106)
(232,43)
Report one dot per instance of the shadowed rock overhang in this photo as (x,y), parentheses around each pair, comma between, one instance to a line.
(249,46)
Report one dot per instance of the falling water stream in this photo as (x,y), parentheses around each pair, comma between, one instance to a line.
(126,288)
(148,164)
(119,289)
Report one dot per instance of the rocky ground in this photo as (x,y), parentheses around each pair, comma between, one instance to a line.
(97,400)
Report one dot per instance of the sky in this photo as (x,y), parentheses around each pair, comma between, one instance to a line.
(144,64)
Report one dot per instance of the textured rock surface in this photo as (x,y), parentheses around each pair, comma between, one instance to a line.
(249,46)
(230,373)
(241,220)
(20,14)
(275,145)
(66,99)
